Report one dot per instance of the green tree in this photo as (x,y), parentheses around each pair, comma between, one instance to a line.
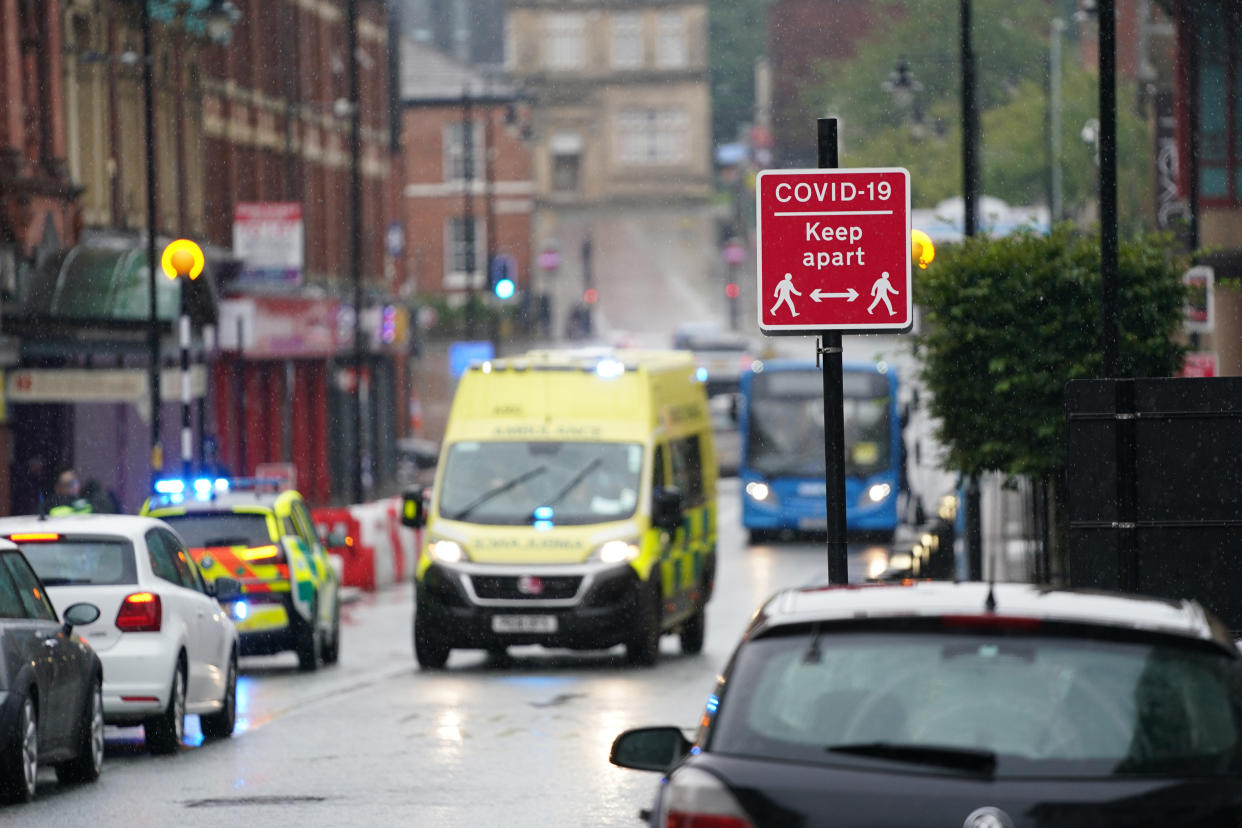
(1008,321)
(737,35)
(922,132)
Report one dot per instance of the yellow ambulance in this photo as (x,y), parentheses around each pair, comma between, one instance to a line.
(574,505)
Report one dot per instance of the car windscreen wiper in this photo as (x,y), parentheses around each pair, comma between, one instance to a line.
(569,486)
(955,758)
(466,510)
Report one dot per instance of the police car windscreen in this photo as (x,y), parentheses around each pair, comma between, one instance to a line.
(84,561)
(221,529)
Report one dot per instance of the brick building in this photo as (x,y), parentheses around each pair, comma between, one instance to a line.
(448,178)
(261,117)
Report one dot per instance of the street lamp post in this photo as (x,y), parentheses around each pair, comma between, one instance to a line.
(216,21)
(183,259)
(153,323)
(905,89)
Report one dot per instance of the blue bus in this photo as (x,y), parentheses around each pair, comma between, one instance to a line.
(781,469)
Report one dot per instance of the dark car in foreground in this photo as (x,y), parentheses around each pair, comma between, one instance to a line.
(51,685)
(961,704)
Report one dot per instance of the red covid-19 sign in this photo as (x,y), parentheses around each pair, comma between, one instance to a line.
(833,250)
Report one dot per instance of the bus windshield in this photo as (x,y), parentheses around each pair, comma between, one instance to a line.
(786,423)
(517,482)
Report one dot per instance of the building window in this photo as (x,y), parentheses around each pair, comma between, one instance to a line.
(627,44)
(563,41)
(671,41)
(566,149)
(653,136)
(458,166)
(465,253)
(1218,37)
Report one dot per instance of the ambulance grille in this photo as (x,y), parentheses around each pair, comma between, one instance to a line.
(525,587)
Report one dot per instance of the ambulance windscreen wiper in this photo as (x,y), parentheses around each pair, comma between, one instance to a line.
(465,511)
(569,486)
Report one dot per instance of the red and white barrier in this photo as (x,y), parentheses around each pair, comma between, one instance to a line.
(378,551)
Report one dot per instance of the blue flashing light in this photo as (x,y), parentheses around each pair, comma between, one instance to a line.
(202,488)
(701,374)
(543,513)
(170,487)
(713,702)
(610,368)
(240,610)
(543,525)
(221,484)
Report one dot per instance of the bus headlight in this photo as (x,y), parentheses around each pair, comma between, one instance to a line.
(879,492)
(616,551)
(758,491)
(446,551)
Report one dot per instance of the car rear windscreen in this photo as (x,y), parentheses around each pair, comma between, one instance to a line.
(220,529)
(1042,705)
(82,561)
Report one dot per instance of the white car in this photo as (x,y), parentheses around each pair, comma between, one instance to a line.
(166,645)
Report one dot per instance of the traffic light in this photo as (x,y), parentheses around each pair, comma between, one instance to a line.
(591,296)
(732,290)
(502,273)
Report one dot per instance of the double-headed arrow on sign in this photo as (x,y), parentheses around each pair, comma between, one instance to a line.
(850,295)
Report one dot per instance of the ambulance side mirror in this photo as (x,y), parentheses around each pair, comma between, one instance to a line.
(666,508)
(413,510)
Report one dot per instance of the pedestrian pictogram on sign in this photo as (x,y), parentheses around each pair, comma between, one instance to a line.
(833,250)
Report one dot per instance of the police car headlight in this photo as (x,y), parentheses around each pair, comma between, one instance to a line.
(759,492)
(878,492)
(616,551)
(446,551)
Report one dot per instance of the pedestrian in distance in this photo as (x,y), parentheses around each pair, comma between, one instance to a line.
(67,497)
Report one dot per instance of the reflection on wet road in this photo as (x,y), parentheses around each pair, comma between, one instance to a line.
(516,740)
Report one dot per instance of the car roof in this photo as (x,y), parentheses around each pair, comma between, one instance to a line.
(130,526)
(807,605)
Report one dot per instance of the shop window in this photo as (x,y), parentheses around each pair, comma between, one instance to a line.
(1217,29)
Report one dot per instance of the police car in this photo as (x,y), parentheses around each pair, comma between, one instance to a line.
(261,534)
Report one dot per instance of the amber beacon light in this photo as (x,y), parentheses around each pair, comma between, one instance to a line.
(921,248)
(182,258)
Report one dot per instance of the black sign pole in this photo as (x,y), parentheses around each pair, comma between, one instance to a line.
(829,350)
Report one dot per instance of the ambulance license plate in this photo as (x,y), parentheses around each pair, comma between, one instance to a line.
(524,623)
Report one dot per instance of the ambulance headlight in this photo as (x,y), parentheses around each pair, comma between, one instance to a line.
(446,551)
(616,551)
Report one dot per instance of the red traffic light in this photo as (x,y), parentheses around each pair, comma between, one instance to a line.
(732,290)
(591,296)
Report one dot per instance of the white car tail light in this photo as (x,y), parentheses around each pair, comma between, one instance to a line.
(140,612)
(696,799)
